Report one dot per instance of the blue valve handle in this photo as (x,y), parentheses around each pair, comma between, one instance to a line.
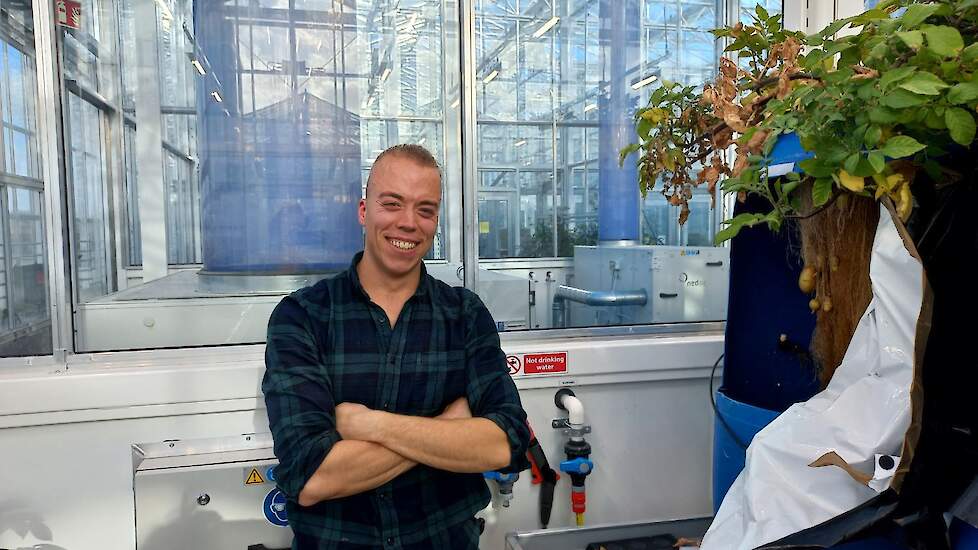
(501,477)
(577,466)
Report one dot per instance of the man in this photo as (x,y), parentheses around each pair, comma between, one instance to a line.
(387,392)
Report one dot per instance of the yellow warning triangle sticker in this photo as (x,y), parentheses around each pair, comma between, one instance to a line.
(254,478)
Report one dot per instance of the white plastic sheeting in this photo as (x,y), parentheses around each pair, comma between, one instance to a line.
(864,412)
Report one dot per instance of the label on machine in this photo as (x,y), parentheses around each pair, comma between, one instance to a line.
(553,362)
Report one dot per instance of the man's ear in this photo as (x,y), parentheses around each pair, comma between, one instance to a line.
(362,214)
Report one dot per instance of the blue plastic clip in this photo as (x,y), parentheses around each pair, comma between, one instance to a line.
(501,477)
(577,466)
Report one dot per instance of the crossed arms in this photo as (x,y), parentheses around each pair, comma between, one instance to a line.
(378,446)
(328,450)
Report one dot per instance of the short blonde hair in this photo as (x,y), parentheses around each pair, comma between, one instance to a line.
(411,151)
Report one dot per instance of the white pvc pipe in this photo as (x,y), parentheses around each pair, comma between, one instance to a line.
(575,409)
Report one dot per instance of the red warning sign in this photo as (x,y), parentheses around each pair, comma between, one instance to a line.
(514,364)
(545,363)
(69,13)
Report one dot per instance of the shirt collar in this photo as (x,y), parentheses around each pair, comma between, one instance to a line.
(422,289)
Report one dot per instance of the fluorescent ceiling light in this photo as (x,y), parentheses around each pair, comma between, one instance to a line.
(644,82)
(387,73)
(198,66)
(422,140)
(546,27)
(455,103)
(590,107)
(490,76)
(520,143)
(217,96)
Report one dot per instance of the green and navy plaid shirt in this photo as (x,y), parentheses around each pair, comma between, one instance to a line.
(329,344)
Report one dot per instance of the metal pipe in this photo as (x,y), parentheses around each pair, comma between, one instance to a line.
(470,149)
(602,297)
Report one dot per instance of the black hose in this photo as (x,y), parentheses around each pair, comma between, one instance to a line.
(716,411)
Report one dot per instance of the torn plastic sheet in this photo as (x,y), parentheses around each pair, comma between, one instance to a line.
(863,413)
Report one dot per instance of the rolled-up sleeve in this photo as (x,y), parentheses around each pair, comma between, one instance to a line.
(491,392)
(298,398)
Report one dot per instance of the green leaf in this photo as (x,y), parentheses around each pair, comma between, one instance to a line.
(964,92)
(822,191)
(814,167)
(917,14)
(834,27)
(868,16)
(734,225)
(643,128)
(913,39)
(627,150)
(961,125)
(970,53)
(901,99)
(873,135)
(944,41)
(901,146)
(882,115)
(852,163)
(877,161)
(761,12)
(924,83)
(896,75)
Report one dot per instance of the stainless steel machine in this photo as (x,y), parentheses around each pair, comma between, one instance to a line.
(615,285)
(209,494)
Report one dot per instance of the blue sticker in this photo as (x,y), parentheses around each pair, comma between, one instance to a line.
(270,473)
(274,508)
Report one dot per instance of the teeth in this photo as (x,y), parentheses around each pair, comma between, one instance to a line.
(403,245)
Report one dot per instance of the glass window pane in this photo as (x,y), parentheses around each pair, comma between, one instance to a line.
(21,156)
(16,112)
(269,123)
(26,324)
(557,86)
(88,194)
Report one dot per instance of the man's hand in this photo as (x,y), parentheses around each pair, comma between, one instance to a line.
(356,421)
(456,409)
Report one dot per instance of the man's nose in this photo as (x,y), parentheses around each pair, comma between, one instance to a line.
(407,220)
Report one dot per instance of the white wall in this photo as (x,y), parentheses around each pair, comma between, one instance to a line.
(65,435)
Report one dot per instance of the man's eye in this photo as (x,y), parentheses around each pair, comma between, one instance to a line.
(428,213)
(390,205)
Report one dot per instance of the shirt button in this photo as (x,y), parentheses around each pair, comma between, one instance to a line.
(387,405)
(390,541)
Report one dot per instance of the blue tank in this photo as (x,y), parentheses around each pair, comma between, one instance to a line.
(279,166)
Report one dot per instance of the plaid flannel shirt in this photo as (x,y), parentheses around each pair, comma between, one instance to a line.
(328,344)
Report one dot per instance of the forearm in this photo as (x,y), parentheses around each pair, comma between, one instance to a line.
(469,445)
(352,467)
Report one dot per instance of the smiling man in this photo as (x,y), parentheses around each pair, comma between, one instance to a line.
(387,392)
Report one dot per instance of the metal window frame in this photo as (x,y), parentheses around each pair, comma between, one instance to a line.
(53,173)
(51,143)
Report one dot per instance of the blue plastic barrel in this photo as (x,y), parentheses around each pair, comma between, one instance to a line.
(964,536)
(728,456)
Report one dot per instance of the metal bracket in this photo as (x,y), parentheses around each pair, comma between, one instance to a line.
(563,424)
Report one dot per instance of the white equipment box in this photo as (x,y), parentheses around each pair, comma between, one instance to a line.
(209,494)
(684,284)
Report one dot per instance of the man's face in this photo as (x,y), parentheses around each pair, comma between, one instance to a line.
(400,214)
